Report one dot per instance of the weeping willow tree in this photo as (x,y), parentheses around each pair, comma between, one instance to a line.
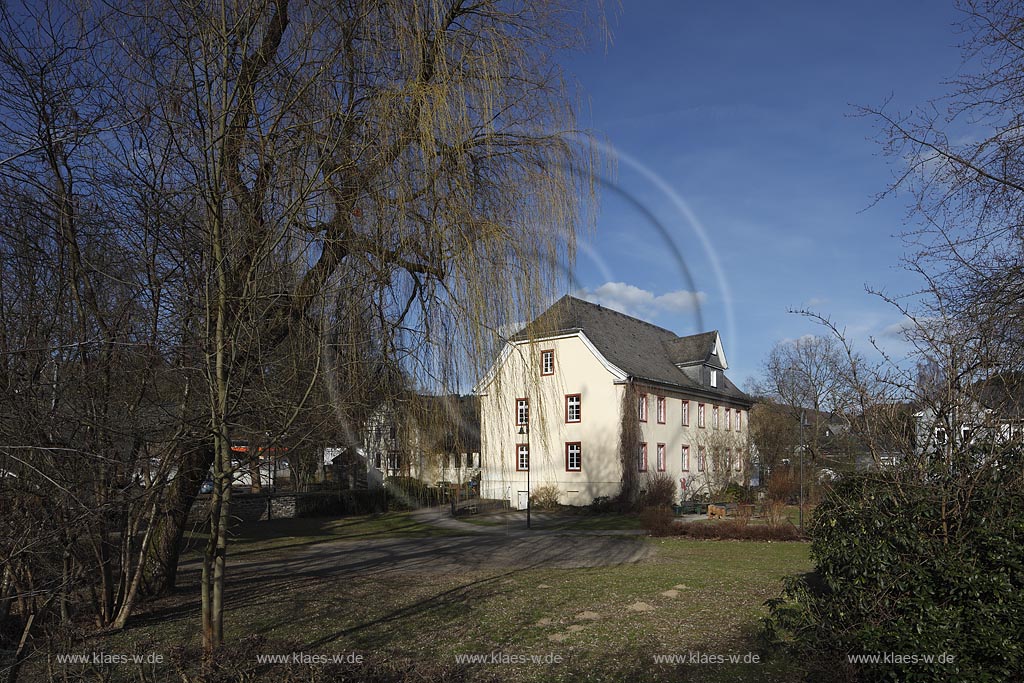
(411,156)
(349,197)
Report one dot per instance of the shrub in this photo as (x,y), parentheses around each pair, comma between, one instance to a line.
(736,493)
(782,485)
(660,490)
(734,529)
(545,497)
(919,562)
(409,492)
(774,511)
(657,520)
(603,504)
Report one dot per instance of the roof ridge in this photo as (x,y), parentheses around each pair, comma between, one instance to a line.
(624,315)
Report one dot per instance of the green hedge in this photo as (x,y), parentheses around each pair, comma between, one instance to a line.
(914,563)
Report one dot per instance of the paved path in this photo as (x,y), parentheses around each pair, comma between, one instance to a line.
(512,524)
(448,554)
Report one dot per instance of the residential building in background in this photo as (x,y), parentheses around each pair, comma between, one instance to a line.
(553,407)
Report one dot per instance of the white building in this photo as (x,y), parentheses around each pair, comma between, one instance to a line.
(552,407)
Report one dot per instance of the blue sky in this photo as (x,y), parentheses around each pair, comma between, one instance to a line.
(738,117)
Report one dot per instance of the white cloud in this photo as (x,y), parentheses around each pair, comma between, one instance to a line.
(642,303)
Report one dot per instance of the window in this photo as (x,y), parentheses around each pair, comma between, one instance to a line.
(522,411)
(573,408)
(573,457)
(728,418)
(702,459)
(641,458)
(686,414)
(686,458)
(522,457)
(940,435)
(661,457)
(661,410)
(641,407)
(547,362)
(714,417)
(700,415)
(739,419)
(739,462)
(714,378)
(965,434)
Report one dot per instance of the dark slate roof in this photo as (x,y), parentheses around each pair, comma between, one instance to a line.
(695,349)
(1003,394)
(644,351)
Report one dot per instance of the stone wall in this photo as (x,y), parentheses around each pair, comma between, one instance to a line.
(253,507)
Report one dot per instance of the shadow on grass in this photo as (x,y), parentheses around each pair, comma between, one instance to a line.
(258,538)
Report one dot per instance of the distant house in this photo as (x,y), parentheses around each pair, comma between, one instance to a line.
(435,439)
(553,407)
(986,412)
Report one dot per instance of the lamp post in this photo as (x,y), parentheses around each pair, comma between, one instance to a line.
(525,430)
(803,421)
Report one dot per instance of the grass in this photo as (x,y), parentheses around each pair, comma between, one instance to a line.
(720,590)
(257,538)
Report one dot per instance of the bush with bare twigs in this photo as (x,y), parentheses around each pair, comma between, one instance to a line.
(545,497)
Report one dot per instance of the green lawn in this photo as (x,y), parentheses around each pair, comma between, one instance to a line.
(605,623)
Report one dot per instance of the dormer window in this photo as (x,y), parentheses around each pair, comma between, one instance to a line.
(714,378)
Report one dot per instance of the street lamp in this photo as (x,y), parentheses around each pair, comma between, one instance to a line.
(803,421)
(525,430)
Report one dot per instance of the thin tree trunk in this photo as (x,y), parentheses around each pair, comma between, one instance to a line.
(162,559)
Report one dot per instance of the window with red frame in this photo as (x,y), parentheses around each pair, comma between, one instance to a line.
(641,460)
(686,414)
(522,411)
(641,407)
(661,457)
(573,456)
(522,457)
(547,362)
(661,410)
(573,408)
(686,458)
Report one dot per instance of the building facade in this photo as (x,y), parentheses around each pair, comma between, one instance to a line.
(555,404)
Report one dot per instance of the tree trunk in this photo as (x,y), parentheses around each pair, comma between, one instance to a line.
(162,559)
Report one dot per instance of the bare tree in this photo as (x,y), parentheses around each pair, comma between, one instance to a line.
(809,380)
(312,194)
